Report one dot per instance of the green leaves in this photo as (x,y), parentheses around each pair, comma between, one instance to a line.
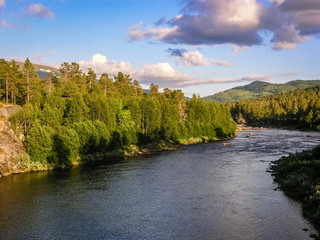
(72,118)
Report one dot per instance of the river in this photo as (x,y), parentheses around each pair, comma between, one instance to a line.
(202,191)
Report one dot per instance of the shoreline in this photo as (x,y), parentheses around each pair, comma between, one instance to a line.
(109,157)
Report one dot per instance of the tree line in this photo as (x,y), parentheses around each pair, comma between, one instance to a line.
(299,108)
(79,117)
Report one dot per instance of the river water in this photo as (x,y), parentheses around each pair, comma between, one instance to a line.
(203,191)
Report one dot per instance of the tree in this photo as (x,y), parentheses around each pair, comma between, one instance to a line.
(49,82)
(14,81)
(91,78)
(65,71)
(28,70)
(105,83)
(4,76)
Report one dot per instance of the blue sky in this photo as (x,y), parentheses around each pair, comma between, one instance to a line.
(202,46)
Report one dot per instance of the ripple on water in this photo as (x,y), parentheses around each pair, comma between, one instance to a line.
(204,191)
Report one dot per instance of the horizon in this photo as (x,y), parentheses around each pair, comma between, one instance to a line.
(201,47)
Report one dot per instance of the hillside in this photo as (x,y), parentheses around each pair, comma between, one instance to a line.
(295,109)
(41,70)
(259,89)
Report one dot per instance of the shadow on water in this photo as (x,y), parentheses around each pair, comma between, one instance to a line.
(203,191)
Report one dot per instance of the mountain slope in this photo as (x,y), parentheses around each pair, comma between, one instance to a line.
(42,70)
(259,89)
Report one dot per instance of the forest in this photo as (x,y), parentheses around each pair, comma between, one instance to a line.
(299,108)
(79,117)
(259,89)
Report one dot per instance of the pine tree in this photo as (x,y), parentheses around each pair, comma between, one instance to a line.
(28,70)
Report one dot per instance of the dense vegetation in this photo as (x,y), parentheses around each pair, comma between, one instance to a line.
(298,176)
(299,108)
(259,89)
(75,118)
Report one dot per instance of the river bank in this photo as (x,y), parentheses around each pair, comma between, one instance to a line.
(298,176)
(24,164)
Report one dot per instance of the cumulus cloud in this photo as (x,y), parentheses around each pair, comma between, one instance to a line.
(2,4)
(165,75)
(38,10)
(237,49)
(162,74)
(208,22)
(194,58)
(5,24)
(237,22)
(100,64)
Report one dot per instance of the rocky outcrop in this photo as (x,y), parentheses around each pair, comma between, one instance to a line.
(10,145)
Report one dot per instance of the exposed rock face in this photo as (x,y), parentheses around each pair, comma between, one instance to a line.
(10,145)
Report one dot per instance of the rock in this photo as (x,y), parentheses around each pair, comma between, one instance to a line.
(10,145)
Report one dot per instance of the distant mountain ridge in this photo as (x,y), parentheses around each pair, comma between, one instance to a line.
(41,70)
(259,89)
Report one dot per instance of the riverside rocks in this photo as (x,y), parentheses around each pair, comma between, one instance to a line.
(10,145)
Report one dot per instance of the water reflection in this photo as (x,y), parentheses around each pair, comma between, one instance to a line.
(205,191)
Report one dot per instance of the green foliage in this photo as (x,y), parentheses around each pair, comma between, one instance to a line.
(74,119)
(67,146)
(259,89)
(28,164)
(298,175)
(39,144)
(299,108)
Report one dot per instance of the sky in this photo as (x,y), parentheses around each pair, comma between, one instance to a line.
(202,47)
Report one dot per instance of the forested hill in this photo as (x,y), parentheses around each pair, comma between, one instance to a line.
(259,89)
(299,108)
(80,118)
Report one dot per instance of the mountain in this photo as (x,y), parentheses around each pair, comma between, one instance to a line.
(42,70)
(259,89)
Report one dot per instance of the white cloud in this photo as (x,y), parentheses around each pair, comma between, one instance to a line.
(2,3)
(197,59)
(165,75)
(38,10)
(138,32)
(100,64)
(284,46)
(237,49)
(5,24)
(162,74)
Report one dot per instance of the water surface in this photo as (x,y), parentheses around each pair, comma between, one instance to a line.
(203,191)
